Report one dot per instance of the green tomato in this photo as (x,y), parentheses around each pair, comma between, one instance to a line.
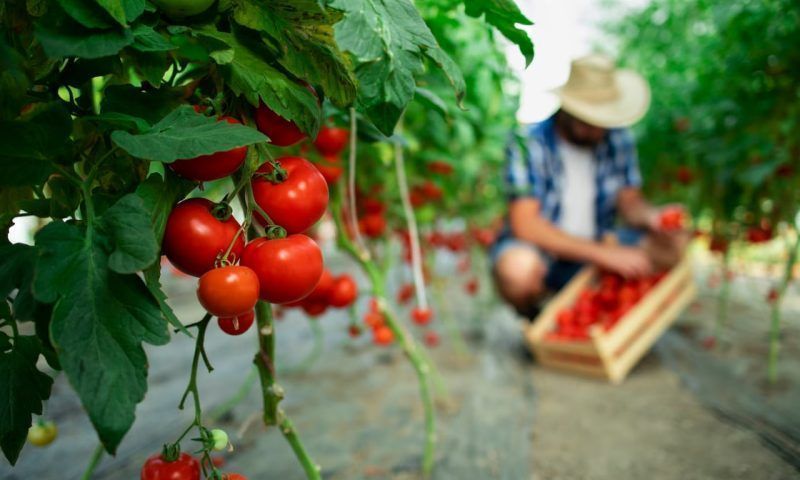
(183,8)
(220,439)
(42,433)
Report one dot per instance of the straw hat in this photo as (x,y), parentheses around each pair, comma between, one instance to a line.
(602,95)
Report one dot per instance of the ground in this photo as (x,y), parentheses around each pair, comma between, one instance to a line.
(684,413)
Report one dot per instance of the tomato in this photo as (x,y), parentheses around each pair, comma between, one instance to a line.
(237,325)
(228,291)
(281,132)
(372,205)
(344,291)
(42,433)
(405,293)
(322,291)
(471,286)
(233,476)
(288,268)
(416,197)
(685,175)
(772,295)
(372,225)
(183,8)
(431,191)
(296,203)
(186,467)
(332,140)
(314,309)
(440,167)
(373,319)
(354,331)
(194,237)
(331,169)
(383,335)
(671,218)
(220,438)
(431,339)
(421,316)
(213,166)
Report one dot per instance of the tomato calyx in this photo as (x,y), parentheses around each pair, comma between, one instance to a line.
(171,452)
(276,175)
(222,211)
(275,232)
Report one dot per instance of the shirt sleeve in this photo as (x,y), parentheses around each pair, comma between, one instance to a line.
(627,158)
(524,168)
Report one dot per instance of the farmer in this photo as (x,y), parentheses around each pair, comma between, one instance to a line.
(574,178)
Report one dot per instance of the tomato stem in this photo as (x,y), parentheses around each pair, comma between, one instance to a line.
(351,182)
(775,325)
(93,462)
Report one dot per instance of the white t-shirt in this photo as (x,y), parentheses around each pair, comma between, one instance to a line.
(579,190)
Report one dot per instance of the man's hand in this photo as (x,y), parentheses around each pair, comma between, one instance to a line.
(630,262)
(668,219)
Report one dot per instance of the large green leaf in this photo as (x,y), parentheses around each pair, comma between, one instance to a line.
(184,134)
(87,12)
(23,388)
(62,37)
(245,64)
(505,16)
(14,82)
(99,323)
(130,101)
(127,223)
(389,40)
(28,146)
(301,33)
(146,39)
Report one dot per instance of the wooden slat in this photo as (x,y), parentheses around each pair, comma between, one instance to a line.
(598,372)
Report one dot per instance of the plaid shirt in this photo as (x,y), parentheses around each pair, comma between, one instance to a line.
(537,171)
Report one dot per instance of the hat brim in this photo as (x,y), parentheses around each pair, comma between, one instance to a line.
(625,110)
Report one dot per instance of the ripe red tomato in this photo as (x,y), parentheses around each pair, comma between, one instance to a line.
(322,291)
(421,316)
(314,309)
(213,166)
(372,225)
(432,339)
(186,467)
(296,203)
(405,293)
(344,292)
(383,335)
(332,140)
(237,325)
(672,218)
(281,132)
(228,291)
(194,238)
(471,286)
(431,191)
(288,268)
(373,320)
(372,205)
(331,168)
(440,167)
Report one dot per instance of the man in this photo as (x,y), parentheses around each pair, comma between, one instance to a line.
(576,175)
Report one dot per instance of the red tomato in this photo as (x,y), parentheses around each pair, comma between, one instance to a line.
(186,467)
(431,191)
(296,203)
(383,335)
(314,309)
(323,289)
(331,168)
(672,218)
(237,325)
(372,225)
(372,205)
(421,316)
(332,140)
(416,197)
(373,305)
(405,293)
(281,132)
(344,291)
(213,166)
(441,167)
(431,339)
(565,317)
(772,295)
(194,238)
(354,331)
(471,286)
(233,476)
(228,291)
(373,319)
(288,268)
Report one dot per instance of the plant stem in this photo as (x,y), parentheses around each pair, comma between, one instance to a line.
(264,361)
(95,460)
(406,341)
(351,181)
(724,295)
(290,434)
(775,325)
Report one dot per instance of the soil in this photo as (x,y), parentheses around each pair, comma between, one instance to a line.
(501,417)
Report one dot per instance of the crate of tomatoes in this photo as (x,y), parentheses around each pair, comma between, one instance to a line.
(601,324)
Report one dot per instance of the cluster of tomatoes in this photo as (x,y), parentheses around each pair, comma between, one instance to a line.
(184,467)
(604,305)
(332,291)
(381,333)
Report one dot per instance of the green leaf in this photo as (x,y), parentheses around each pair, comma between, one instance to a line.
(152,278)
(432,100)
(504,15)
(151,66)
(122,121)
(159,196)
(302,35)
(123,11)
(389,41)
(13,81)
(146,39)
(27,146)
(151,106)
(23,388)
(184,134)
(62,37)
(98,325)
(87,12)
(250,74)
(127,223)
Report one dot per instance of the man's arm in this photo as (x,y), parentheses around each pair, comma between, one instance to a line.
(635,210)
(527,224)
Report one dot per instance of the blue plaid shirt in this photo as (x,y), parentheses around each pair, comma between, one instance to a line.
(537,171)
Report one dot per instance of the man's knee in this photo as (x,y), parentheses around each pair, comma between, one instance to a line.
(519,273)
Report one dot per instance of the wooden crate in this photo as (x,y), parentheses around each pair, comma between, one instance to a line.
(614,353)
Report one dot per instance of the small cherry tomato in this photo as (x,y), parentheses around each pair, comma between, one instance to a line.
(194,237)
(186,467)
(421,316)
(220,439)
(330,168)
(211,167)
(42,433)
(431,339)
(237,325)
(671,218)
(323,289)
(228,291)
(295,203)
(373,320)
(233,476)
(372,225)
(383,335)
(354,331)
(344,291)
(288,268)
(331,140)
(314,309)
